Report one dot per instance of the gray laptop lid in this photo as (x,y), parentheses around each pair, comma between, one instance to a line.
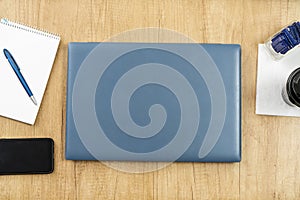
(153,102)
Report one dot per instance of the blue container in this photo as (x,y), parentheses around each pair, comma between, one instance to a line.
(284,41)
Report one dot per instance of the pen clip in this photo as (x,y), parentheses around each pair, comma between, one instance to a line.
(10,59)
(15,62)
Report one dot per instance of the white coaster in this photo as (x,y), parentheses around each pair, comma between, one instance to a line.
(271,79)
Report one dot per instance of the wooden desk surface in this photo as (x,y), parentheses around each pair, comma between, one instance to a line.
(270,167)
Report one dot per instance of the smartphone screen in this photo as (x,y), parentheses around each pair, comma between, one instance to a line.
(26,156)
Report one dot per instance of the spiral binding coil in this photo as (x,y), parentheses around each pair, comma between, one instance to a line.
(31,29)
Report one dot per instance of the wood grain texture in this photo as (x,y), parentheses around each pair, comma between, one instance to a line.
(270,167)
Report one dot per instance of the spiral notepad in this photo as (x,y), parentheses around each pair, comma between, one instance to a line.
(34,51)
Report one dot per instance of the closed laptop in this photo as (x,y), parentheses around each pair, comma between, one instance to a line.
(154,102)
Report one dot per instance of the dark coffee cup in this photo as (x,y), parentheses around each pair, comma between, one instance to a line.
(292,88)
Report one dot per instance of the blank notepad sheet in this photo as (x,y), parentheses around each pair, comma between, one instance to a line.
(34,51)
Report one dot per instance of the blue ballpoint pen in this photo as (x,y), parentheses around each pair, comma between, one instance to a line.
(16,69)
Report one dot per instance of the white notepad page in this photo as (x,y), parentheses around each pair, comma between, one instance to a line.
(34,51)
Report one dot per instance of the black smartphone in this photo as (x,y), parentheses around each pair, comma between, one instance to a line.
(26,156)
